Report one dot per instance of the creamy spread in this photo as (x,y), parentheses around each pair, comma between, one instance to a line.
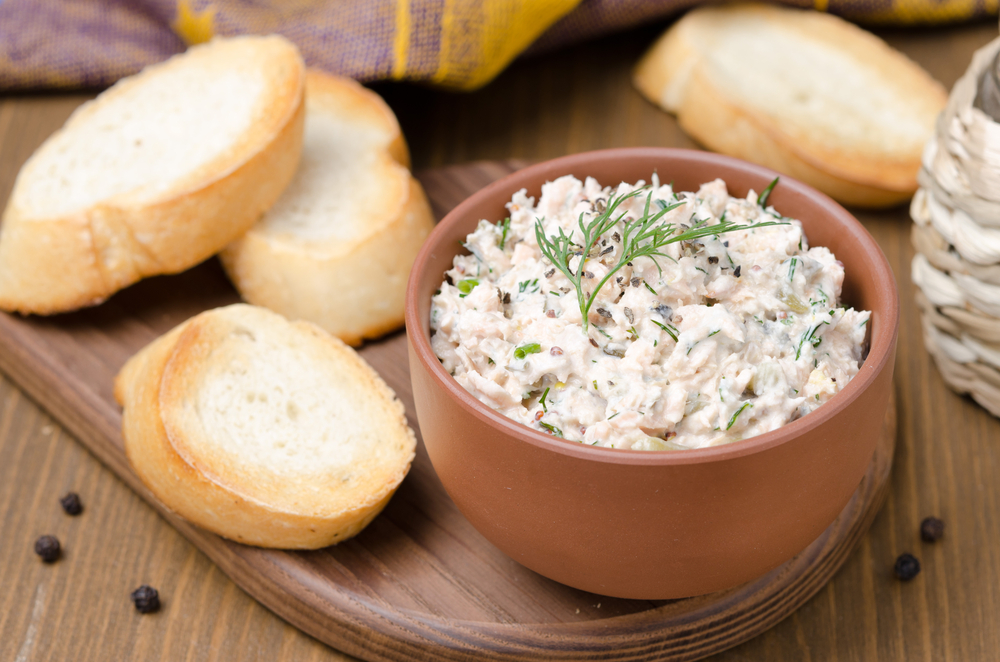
(715,340)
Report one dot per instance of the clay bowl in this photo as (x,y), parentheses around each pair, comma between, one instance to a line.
(665,524)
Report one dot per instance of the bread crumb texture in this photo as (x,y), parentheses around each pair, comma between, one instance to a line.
(805,93)
(159,172)
(265,431)
(337,247)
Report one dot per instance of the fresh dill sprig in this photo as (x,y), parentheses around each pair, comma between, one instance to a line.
(766,193)
(505,227)
(645,236)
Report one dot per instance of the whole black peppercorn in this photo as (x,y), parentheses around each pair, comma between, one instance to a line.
(48,548)
(71,504)
(146,599)
(907,567)
(931,529)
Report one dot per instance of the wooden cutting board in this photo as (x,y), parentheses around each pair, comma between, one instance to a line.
(419,582)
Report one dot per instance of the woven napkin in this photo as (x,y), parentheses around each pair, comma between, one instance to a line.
(452,43)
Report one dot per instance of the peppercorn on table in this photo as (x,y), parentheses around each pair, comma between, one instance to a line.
(79,607)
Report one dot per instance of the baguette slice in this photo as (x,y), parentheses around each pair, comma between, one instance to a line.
(802,92)
(155,175)
(337,247)
(264,431)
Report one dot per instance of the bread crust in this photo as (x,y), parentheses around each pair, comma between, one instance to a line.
(676,75)
(56,264)
(255,509)
(354,289)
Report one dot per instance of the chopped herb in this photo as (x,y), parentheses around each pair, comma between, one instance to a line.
(732,421)
(524,350)
(613,415)
(672,332)
(542,400)
(551,428)
(466,286)
(811,337)
(505,226)
(648,287)
(604,333)
(791,268)
(863,322)
(702,270)
(525,284)
(713,333)
(490,360)
(635,334)
(555,294)
(595,384)
(645,236)
(721,399)
(762,198)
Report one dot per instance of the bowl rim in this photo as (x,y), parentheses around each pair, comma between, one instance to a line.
(883,337)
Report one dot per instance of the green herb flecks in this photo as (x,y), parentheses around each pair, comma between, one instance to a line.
(551,429)
(732,421)
(504,226)
(645,236)
(542,400)
(525,285)
(649,288)
(791,268)
(524,350)
(670,330)
(466,286)
(809,337)
(766,193)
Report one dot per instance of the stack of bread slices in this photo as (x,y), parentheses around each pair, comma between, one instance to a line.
(956,233)
(268,431)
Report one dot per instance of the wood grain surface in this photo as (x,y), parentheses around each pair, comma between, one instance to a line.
(576,99)
(419,582)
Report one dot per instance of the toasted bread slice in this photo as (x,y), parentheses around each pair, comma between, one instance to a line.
(264,431)
(156,174)
(800,91)
(337,248)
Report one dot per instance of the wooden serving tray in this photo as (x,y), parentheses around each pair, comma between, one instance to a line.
(419,582)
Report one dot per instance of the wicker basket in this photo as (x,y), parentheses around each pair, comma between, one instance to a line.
(956,234)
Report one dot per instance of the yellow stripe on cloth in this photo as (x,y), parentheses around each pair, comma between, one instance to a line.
(478,40)
(401,42)
(912,12)
(194,27)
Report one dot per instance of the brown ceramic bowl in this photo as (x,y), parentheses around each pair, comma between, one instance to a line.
(665,524)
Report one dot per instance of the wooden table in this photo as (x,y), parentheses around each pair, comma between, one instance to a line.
(947,458)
